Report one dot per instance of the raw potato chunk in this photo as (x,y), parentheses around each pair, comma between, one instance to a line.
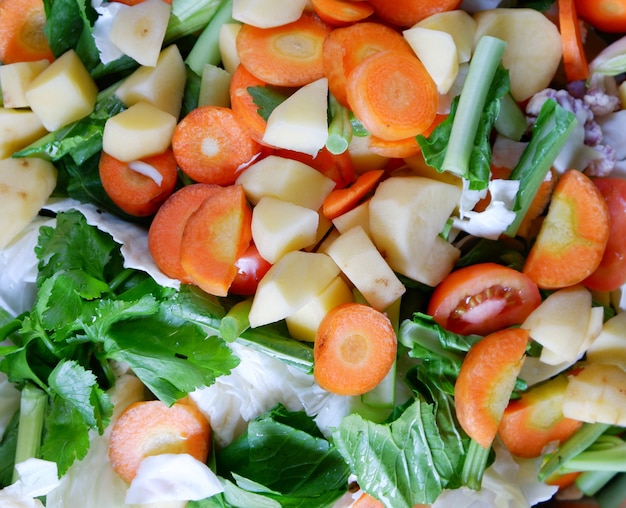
(138,132)
(533,51)
(25,186)
(267,13)
(300,123)
(228,46)
(138,31)
(289,284)
(360,261)
(214,87)
(15,79)
(610,345)
(18,129)
(63,92)
(162,85)
(459,24)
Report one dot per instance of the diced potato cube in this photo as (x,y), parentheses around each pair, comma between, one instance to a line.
(63,92)
(25,185)
(358,216)
(15,79)
(18,128)
(140,131)
(268,13)
(214,87)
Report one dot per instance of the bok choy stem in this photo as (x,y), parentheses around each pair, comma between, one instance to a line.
(32,414)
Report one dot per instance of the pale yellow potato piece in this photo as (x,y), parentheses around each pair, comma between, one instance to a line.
(15,79)
(18,129)
(228,46)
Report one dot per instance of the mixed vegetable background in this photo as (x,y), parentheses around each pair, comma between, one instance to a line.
(312,253)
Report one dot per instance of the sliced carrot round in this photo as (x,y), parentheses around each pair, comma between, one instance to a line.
(151,428)
(406,13)
(286,55)
(393,95)
(342,12)
(355,347)
(139,187)
(211,146)
(346,47)
(166,229)
(243,105)
(22,37)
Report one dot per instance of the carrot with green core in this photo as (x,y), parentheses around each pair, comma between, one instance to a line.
(139,187)
(406,13)
(215,236)
(573,236)
(286,55)
(342,12)
(151,428)
(346,47)
(339,201)
(393,95)
(22,37)
(165,234)
(211,146)
(574,57)
(355,346)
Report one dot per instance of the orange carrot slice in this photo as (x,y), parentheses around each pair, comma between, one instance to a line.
(215,236)
(342,12)
(405,13)
(340,201)
(286,55)
(243,105)
(211,146)
(346,47)
(574,57)
(573,236)
(486,380)
(355,347)
(393,95)
(22,38)
(151,428)
(165,234)
(139,187)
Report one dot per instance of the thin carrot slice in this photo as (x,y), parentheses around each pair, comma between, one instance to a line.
(355,347)
(348,46)
(151,428)
(573,236)
(574,57)
(135,2)
(486,380)
(211,146)
(165,234)
(286,55)
(139,187)
(405,13)
(337,167)
(243,105)
(340,201)
(393,95)
(22,38)
(342,12)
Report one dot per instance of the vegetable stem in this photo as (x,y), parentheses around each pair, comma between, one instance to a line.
(32,411)
(236,321)
(511,121)
(339,128)
(474,465)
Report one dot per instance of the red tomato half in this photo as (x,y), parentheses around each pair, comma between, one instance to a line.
(611,273)
(605,15)
(483,298)
(251,268)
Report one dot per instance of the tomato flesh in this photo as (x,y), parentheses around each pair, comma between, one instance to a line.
(251,268)
(483,298)
(611,273)
(605,15)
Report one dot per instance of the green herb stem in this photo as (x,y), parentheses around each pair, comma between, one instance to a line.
(474,465)
(339,128)
(591,482)
(236,321)
(511,121)
(32,413)
(190,16)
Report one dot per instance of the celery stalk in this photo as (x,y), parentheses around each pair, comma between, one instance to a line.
(511,121)
(236,321)
(189,17)
(32,411)
(340,127)
(474,466)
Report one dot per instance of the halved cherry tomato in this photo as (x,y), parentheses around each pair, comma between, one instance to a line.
(483,298)
(605,15)
(611,273)
(250,270)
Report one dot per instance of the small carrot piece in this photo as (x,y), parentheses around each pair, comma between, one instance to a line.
(348,46)
(573,235)
(486,380)
(211,146)
(355,347)
(135,2)
(342,12)
(405,13)
(242,102)
(149,428)
(165,234)
(139,187)
(393,95)
(337,167)
(286,55)
(574,58)
(339,201)
(367,501)
(215,236)
(22,37)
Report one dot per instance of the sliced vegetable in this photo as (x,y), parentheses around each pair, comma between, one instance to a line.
(22,37)
(574,57)
(339,201)
(242,102)
(342,12)
(251,268)
(605,15)
(405,13)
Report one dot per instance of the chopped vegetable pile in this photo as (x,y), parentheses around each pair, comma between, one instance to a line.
(327,253)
